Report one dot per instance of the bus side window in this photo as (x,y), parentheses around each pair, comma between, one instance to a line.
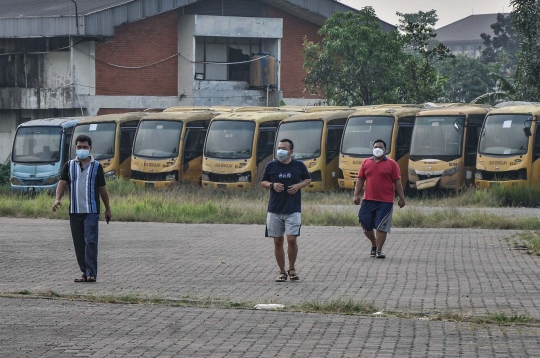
(265,143)
(333,142)
(66,146)
(127,136)
(403,140)
(193,144)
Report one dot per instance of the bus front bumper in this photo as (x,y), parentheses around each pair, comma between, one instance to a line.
(30,189)
(216,185)
(347,183)
(486,184)
(154,184)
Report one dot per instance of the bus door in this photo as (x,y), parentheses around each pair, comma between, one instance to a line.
(403,147)
(333,142)
(533,178)
(127,136)
(265,147)
(474,127)
(192,152)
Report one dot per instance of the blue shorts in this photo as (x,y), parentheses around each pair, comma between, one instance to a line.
(375,215)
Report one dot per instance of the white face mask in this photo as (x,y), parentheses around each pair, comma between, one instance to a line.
(378,152)
(282,154)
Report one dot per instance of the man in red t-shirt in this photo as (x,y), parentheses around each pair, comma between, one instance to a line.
(382,178)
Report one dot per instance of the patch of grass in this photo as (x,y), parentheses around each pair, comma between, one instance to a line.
(24,292)
(530,240)
(344,307)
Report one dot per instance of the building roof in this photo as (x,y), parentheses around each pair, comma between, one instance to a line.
(38,18)
(467,29)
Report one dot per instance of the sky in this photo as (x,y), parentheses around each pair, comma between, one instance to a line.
(447,10)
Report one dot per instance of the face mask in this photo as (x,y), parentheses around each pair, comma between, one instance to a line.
(282,155)
(378,152)
(83,153)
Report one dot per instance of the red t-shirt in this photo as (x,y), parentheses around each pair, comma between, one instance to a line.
(380,177)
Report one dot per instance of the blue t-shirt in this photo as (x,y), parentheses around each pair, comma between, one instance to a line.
(287,174)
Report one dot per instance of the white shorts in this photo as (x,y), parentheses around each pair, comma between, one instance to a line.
(279,224)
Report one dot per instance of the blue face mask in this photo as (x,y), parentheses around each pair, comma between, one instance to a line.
(82,153)
(282,154)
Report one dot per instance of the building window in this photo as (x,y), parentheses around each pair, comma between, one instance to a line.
(225,50)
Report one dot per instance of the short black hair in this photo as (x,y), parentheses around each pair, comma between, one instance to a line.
(84,138)
(291,145)
(380,141)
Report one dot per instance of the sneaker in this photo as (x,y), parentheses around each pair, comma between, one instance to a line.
(373,252)
(380,255)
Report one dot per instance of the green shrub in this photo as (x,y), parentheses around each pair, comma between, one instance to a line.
(5,173)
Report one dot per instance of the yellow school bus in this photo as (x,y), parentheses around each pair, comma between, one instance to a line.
(391,123)
(509,148)
(444,146)
(112,139)
(317,138)
(238,146)
(168,148)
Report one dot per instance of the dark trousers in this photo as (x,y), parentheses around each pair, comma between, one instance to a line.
(84,230)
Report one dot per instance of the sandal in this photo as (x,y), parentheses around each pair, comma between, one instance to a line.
(293,276)
(282,277)
(81,279)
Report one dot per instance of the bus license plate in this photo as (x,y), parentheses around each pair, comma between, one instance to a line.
(222,185)
(149,185)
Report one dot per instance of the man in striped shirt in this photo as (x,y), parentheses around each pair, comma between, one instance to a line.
(86,180)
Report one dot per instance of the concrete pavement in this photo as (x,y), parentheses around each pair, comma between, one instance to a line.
(426,271)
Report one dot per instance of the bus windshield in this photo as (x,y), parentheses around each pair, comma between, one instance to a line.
(437,136)
(158,139)
(230,140)
(37,145)
(306,136)
(102,135)
(503,135)
(361,132)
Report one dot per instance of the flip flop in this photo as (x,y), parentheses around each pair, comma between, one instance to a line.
(282,277)
(81,279)
(293,276)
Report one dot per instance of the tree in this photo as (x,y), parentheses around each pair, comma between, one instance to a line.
(356,63)
(466,79)
(503,47)
(526,19)
(419,80)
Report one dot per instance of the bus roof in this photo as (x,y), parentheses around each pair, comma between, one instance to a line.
(186,109)
(454,110)
(521,109)
(257,117)
(64,122)
(391,111)
(182,116)
(117,117)
(312,109)
(325,116)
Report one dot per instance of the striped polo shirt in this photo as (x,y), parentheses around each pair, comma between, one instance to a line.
(84,185)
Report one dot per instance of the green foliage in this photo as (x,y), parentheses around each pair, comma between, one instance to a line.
(356,63)
(526,19)
(5,173)
(467,79)
(516,196)
(503,48)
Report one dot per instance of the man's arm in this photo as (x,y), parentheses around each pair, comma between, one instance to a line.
(399,190)
(105,198)
(295,187)
(60,188)
(357,189)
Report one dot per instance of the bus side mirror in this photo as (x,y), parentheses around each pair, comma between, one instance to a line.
(527,131)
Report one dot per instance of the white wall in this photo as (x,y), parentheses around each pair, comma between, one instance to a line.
(186,48)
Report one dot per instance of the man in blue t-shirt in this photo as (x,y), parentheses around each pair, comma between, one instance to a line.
(285,177)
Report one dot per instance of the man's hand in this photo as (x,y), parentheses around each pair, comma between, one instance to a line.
(108,215)
(279,187)
(356,200)
(293,189)
(57,203)
(401,203)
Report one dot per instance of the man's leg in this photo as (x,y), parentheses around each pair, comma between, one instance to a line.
(371,236)
(292,250)
(279,253)
(76,224)
(366,217)
(381,238)
(91,232)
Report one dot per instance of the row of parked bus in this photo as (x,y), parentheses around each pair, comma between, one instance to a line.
(444,146)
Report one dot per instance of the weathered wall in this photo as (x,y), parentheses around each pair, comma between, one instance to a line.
(292,73)
(138,44)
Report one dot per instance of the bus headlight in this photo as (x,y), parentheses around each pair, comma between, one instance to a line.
(478,175)
(15,181)
(51,180)
(450,171)
(412,172)
(170,177)
(110,175)
(245,178)
(205,176)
